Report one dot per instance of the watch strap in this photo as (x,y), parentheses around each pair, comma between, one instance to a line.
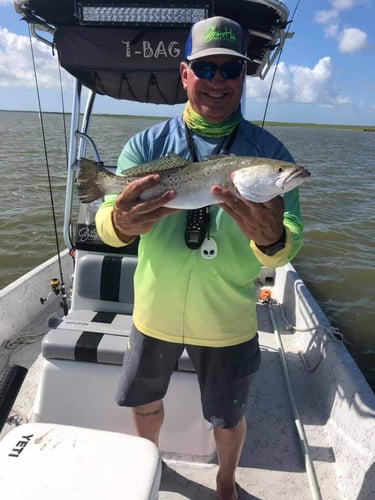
(275,247)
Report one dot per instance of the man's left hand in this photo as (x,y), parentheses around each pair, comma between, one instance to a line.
(260,222)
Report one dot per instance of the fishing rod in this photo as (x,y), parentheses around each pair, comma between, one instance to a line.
(13,376)
(57,287)
(277,64)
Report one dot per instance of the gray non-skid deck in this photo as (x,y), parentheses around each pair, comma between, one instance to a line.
(272,465)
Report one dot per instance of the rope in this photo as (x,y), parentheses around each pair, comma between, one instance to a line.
(334,335)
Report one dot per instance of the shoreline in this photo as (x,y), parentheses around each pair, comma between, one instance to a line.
(270,123)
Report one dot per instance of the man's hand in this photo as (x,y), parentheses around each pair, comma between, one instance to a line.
(133,216)
(260,222)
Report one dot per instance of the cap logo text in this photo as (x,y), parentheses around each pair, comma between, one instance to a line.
(212,33)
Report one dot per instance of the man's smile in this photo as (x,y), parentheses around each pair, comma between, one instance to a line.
(217,95)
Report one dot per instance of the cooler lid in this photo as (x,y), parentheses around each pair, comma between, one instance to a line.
(45,461)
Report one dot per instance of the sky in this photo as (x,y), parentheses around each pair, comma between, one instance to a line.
(326,72)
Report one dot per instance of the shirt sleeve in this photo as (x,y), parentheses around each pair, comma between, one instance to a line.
(129,157)
(105,228)
(294,234)
(269,146)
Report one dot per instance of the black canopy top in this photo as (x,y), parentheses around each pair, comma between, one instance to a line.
(135,54)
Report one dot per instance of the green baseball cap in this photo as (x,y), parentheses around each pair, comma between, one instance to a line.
(216,36)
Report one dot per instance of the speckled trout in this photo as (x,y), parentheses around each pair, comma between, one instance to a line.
(253,178)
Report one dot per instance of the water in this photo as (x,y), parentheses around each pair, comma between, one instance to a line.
(338,207)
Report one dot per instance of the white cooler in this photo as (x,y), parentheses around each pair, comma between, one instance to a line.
(59,462)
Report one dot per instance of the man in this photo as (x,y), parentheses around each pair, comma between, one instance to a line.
(194,284)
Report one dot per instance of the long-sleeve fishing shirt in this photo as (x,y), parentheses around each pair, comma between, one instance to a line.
(180,296)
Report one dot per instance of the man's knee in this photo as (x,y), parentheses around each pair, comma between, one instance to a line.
(149,410)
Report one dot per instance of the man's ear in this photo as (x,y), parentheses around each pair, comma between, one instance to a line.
(183,73)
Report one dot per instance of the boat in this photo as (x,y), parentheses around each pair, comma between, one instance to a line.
(311,431)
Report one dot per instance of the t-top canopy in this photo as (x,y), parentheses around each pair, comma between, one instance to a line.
(129,50)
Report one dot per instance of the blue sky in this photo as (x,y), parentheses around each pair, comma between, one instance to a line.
(326,73)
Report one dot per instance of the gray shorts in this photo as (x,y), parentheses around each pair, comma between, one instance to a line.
(224,375)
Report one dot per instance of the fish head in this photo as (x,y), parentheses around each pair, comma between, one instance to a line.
(268,179)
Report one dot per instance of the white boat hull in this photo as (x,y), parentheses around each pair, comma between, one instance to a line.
(24,319)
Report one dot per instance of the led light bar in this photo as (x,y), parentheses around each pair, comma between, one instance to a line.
(140,16)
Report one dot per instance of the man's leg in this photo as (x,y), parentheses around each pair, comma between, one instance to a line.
(225,375)
(148,420)
(146,371)
(229,443)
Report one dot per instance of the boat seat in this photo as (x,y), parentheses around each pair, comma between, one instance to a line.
(104,282)
(56,461)
(83,353)
(89,336)
(100,318)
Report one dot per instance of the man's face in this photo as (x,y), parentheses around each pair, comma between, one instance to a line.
(215,99)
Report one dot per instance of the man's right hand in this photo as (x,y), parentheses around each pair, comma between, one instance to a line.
(132,216)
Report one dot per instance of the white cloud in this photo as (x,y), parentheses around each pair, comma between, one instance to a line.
(346,4)
(16,68)
(352,40)
(337,6)
(325,16)
(331,31)
(300,84)
(310,84)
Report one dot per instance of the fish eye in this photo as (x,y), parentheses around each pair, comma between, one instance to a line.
(280,169)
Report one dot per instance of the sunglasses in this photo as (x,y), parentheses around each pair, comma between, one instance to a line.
(206,70)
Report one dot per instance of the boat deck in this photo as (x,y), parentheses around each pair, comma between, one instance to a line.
(272,463)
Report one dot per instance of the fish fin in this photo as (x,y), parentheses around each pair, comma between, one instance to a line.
(87,180)
(168,162)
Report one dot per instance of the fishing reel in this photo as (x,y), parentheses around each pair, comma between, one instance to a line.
(56,289)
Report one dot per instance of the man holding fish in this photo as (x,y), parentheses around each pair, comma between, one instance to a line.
(194,283)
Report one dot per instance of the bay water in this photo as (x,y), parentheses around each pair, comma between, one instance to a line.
(338,206)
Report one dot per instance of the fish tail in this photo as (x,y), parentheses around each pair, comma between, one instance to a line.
(88,184)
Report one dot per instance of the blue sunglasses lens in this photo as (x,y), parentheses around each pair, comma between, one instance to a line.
(206,70)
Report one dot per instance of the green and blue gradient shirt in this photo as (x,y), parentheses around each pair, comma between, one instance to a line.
(179,296)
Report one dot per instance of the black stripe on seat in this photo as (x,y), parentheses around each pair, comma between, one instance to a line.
(110,278)
(86,348)
(104,317)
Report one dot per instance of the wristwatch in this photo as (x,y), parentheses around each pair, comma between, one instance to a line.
(275,247)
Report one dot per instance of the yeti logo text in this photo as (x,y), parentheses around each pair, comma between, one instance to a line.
(20,446)
(148,51)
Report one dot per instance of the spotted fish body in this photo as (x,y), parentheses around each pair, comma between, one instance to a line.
(253,178)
